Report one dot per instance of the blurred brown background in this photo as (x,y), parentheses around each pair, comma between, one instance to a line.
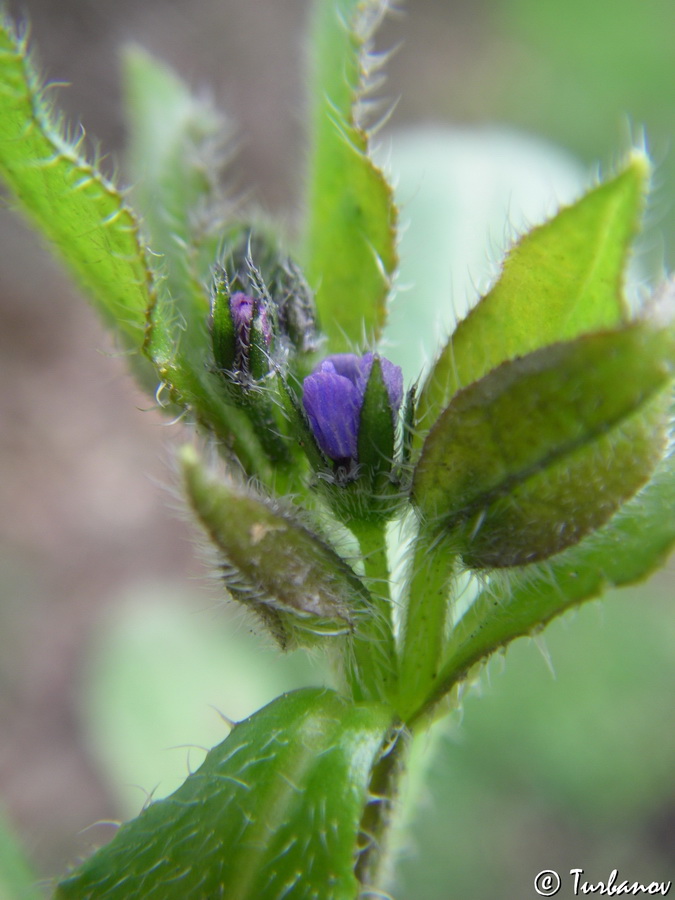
(83,459)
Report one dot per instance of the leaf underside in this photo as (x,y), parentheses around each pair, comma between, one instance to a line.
(547,440)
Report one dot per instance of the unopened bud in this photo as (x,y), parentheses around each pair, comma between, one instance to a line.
(240,332)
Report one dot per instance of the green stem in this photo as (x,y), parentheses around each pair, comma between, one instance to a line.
(373,672)
(426,620)
(379,813)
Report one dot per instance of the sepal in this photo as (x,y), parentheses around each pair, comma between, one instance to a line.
(377,426)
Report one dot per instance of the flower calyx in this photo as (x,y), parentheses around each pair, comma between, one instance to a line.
(352,405)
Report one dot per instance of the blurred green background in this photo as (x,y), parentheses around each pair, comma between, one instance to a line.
(114,648)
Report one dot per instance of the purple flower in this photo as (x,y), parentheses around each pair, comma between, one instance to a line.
(333,397)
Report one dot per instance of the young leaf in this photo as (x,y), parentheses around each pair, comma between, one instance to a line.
(274,811)
(175,156)
(350,241)
(17,881)
(546,447)
(561,280)
(176,144)
(290,577)
(630,547)
(556,507)
(82,213)
(97,235)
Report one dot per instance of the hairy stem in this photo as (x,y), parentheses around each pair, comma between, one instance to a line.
(426,620)
(379,813)
(373,674)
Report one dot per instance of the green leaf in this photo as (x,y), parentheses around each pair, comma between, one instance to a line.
(561,280)
(97,235)
(82,213)
(175,158)
(274,811)
(573,496)
(351,239)
(630,547)
(295,581)
(17,882)
(546,447)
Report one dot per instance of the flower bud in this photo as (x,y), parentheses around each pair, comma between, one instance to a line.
(351,406)
(240,333)
(345,427)
(258,266)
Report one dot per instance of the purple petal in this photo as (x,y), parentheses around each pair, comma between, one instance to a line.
(244,310)
(393,379)
(241,307)
(346,364)
(333,406)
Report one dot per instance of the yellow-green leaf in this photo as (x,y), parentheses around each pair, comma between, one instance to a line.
(561,280)
(350,250)
(83,213)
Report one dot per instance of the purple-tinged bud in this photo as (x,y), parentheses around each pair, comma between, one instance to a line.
(253,335)
(333,398)
(244,310)
(242,307)
(240,333)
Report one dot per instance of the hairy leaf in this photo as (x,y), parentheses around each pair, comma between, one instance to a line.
(97,235)
(273,812)
(175,157)
(350,241)
(83,214)
(561,280)
(546,447)
(630,547)
(557,506)
(274,565)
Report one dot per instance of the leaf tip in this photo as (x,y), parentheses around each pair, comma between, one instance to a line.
(639,163)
